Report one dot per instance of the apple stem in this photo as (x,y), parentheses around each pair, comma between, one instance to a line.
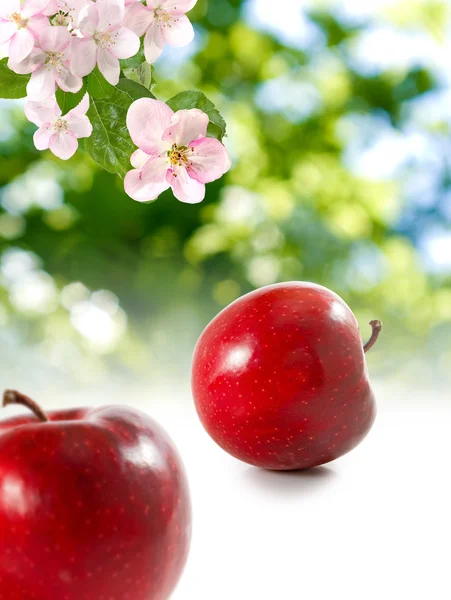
(377,326)
(13,397)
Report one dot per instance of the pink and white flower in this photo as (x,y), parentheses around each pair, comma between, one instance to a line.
(163,22)
(21,26)
(57,133)
(105,40)
(174,151)
(49,65)
(66,11)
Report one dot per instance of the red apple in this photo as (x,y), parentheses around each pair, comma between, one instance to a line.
(94,505)
(279,377)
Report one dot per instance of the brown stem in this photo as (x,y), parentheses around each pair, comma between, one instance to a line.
(13,397)
(377,326)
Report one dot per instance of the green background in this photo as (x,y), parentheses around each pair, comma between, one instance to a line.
(339,133)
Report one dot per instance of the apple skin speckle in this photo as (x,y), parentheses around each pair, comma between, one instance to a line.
(94,504)
(279,378)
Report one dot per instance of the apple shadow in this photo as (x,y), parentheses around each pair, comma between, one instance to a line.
(290,483)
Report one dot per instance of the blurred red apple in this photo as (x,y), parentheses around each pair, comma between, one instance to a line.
(279,377)
(94,505)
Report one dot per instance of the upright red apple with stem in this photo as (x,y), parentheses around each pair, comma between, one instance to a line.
(94,505)
(279,377)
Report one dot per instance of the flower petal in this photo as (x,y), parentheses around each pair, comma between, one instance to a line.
(88,20)
(21,45)
(139,158)
(76,6)
(126,43)
(185,189)
(42,136)
(63,145)
(42,84)
(81,109)
(147,120)
(30,64)
(138,18)
(178,6)
(67,81)
(7,30)
(209,160)
(83,56)
(9,6)
(186,126)
(80,126)
(34,7)
(148,183)
(38,25)
(153,42)
(111,13)
(178,31)
(55,39)
(108,66)
(51,9)
(42,112)
(4,50)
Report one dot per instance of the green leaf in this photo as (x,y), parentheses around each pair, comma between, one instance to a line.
(142,74)
(98,86)
(191,99)
(110,144)
(12,85)
(215,131)
(134,90)
(67,101)
(134,61)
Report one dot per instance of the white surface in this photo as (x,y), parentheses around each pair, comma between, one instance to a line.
(374,524)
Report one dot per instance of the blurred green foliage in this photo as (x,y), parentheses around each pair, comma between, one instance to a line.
(292,207)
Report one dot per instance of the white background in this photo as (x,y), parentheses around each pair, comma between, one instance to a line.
(373,524)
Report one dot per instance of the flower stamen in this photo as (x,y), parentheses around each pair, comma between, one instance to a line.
(61,20)
(18,20)
(60,126)
(105,39)
(178,156)
(54,60)
(164,17)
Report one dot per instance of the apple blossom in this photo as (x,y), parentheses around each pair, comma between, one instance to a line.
(57,133)
(21,25)
(104,41)
(173,151)
(66,11)
(163,21)
(49,65)
(59,42)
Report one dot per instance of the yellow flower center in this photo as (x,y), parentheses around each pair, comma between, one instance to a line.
(105,39)
(60,126)
(178,156)
(18,20)
(54,60)
(164,17)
